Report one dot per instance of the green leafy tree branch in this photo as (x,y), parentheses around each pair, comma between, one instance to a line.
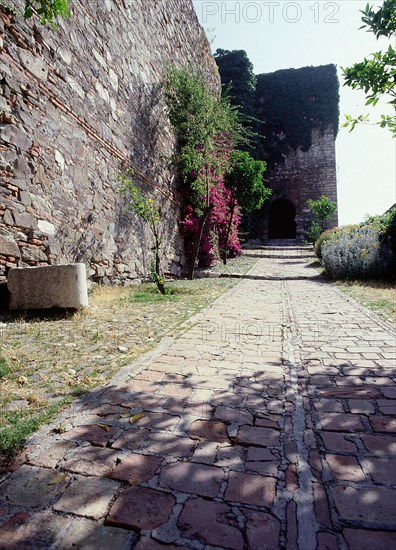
(46,10)
(245,180)
(376,75)
(381,22)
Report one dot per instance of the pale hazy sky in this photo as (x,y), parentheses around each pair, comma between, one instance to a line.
(280,35)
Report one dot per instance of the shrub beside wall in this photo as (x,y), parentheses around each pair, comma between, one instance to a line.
(360,252)
(324,237)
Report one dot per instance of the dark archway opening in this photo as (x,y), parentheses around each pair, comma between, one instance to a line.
(282,224)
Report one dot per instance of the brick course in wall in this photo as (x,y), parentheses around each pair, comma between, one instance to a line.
(76,107)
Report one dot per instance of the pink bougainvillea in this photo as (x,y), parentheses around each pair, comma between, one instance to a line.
(215,231)
(217,226)
(220,198)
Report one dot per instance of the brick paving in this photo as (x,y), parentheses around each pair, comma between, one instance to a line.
(269,423)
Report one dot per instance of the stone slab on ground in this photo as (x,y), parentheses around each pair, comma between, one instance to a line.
(89,497)
(140,508)
(63,286)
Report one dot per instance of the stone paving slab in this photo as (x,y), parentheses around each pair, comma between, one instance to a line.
(268,424)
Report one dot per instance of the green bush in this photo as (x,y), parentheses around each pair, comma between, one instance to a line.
(359,252)
(314,231)
(387,225)
(324,237)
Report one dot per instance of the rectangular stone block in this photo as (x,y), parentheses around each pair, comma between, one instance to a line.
(62,286)
(9,248)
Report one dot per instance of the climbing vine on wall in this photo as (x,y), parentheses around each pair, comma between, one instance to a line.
(293,102)
(208,130)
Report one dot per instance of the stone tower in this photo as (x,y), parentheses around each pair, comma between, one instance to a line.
(298,110)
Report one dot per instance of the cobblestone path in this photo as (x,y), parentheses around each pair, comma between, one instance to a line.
(269,423)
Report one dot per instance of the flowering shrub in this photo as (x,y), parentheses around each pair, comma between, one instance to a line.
(189,225)
(358,252)
(387,225)
(214,234)
(209,129)
(324,237)
(221,198)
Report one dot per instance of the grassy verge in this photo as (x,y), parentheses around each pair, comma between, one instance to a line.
(380,296)
(18,425)
(3,368)
(46,361)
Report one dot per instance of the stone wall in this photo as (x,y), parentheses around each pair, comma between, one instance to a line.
(299,109)
(304,175)
(76,107)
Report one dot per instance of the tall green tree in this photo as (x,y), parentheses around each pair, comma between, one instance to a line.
(245,180)
(376,75)
(238,78)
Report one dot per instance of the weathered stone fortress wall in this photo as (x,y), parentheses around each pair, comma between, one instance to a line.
(77,106)
(304,175)
(300,112)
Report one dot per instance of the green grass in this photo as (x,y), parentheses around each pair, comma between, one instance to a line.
(380,303)
(4,370)
(17,425)
(380,296)
(21,424)
(96,336)
(384,307)
(79,390)
(150,294)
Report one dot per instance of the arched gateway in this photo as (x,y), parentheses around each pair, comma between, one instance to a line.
(282,222)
